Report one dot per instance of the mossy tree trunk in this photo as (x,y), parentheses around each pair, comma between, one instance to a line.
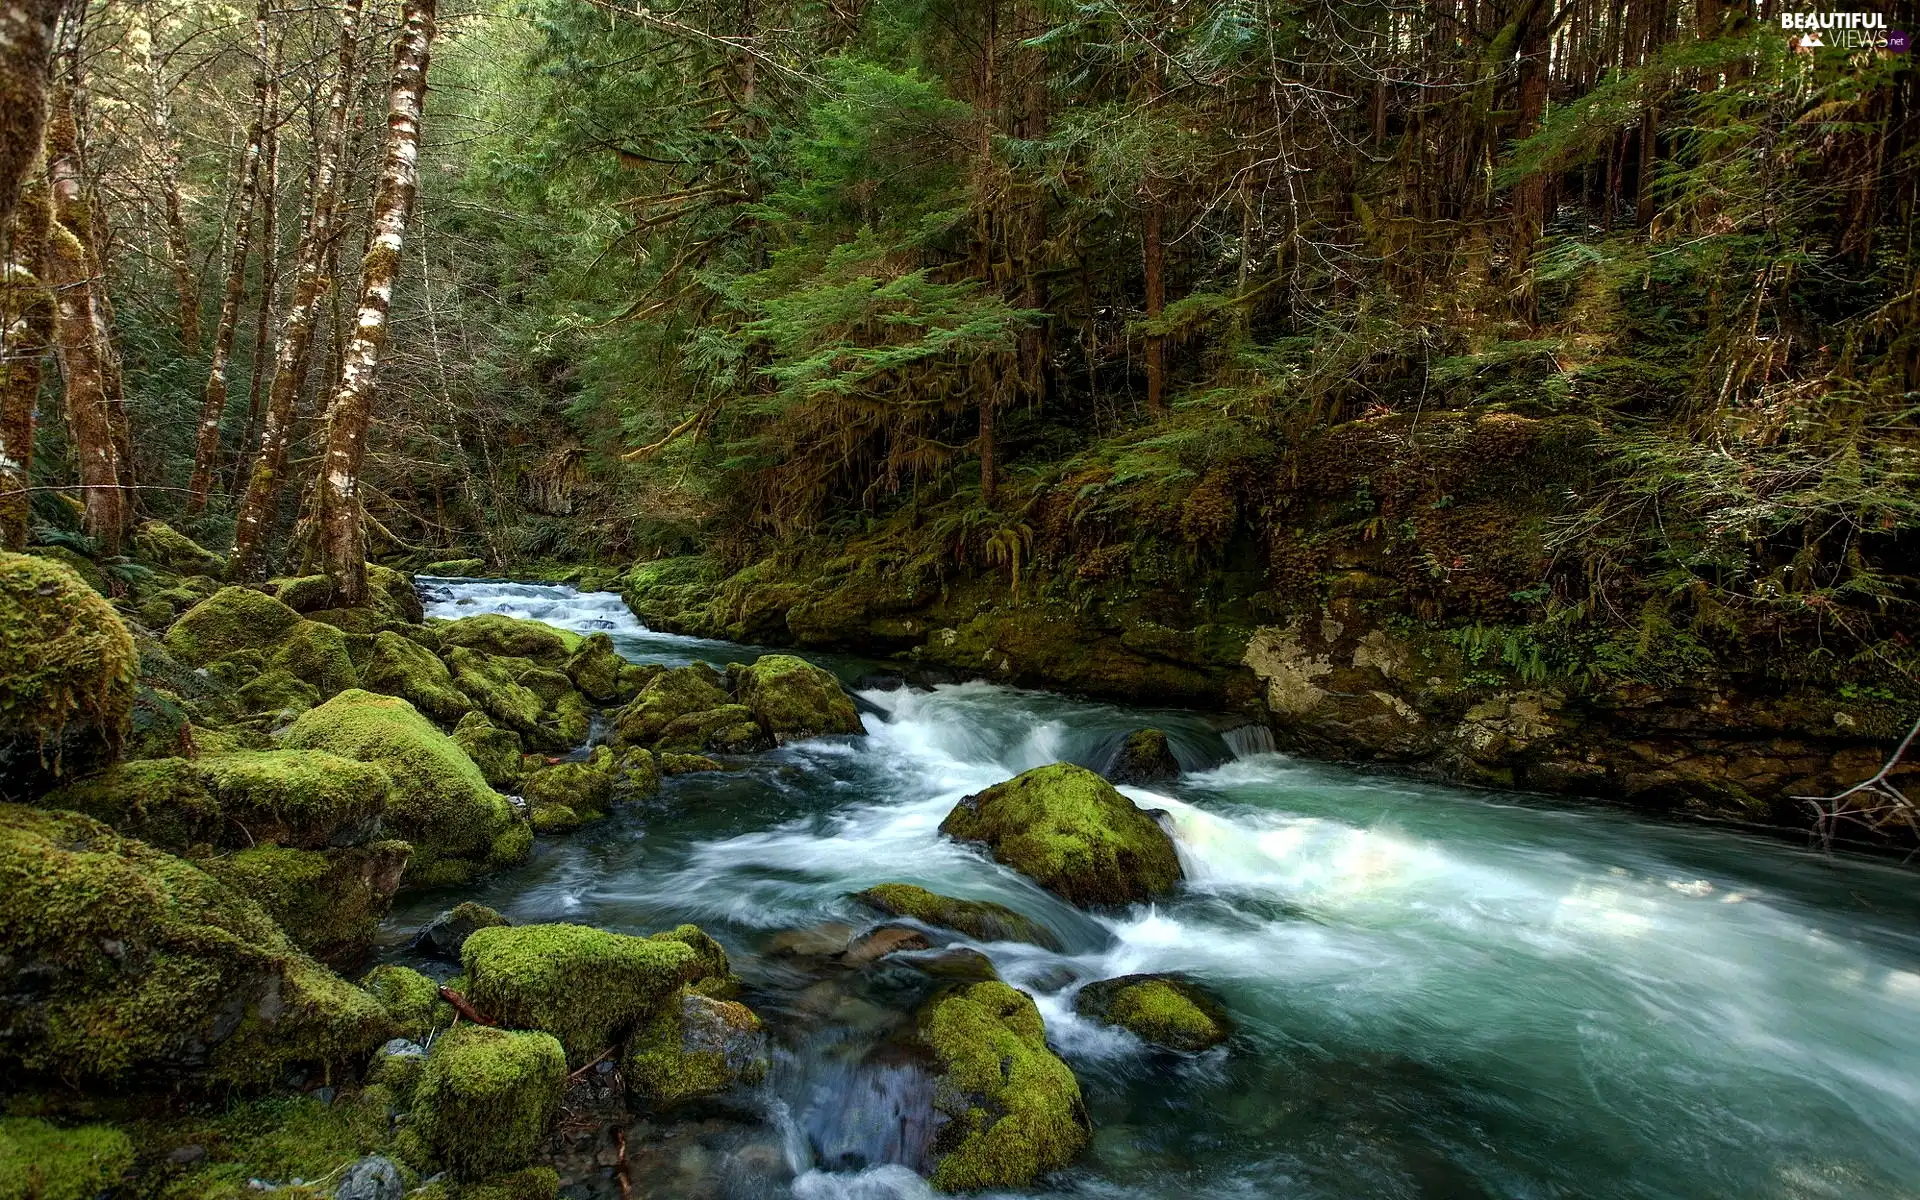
(26,330)
(339,518)
(213,402)
(26,48)
(260,509)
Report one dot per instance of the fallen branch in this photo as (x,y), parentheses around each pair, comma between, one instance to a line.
(583,1070)
(620,1165)
(462,1006)
(1894,806)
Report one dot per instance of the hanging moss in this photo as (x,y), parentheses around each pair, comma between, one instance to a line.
(67,672)
(39,1161)
(329,902)
(695,1046)
(1068,829)
(583,985)
(1162,1009)
(495,634)
(1012,1109)
(399,666)
(793,699)
(487,1097)
(441,802)
(980,919)
(141,964)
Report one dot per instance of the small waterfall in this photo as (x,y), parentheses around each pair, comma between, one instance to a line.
(1248,740)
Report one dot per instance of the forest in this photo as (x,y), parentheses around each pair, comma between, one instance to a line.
(1485,394)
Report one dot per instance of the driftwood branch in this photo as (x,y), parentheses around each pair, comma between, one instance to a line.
(462,1006)
(1874,802)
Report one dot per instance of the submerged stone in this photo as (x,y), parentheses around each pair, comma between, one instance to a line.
(67,676)
(1163,1009)
(982,919)
(1071,832)
(487,1097)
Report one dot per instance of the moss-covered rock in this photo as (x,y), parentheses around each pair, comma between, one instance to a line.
(710,974)
(583,985)
(636,775)
(510,637)
(687,764)
(1163,1009)
(410,998)
(487,1097)
(303,593)
(301,798)
(39,1161)
(584,787)
(693,1047)
(276,1139)
(317,654)
(667,697)
(160,543)
(1069,831)
(496,751)
(1144,756)
(67,676)
(1011,1109)
(441,802)
(329,902)
(793,699)
(456,568)
(399,666)
(278,695)
(229,621)
(120,961)
(391,593)
(530,1183)
(87,569)
(446,935)
(595,669)
(495,692)
(568,720)
(728,729)
(982,919)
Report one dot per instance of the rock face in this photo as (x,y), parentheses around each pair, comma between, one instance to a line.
(1069,831)
(67,676)
(119,962)
(1162,1009)
(982,919)
(583,985)
(441,803)
(487,1097)
(1144,757)
(792,699)
(1011,1109)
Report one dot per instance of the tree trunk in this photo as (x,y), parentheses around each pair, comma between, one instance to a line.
(1156,303)
(260,510)
(269,269)
(26,51)
(26,329)
(77,324)
(213,402)
(161,104)
(339,521)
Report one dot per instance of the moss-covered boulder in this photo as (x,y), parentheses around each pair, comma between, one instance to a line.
(441,802)
(583,985)
(275,697)
(1144,756)
(400,666)
(667,697)
(303,593)
(229,621)
(456,568)
(39,1161)
(87,569)
(487,1097)
(982,919)
(446,935)
(728,729)
(636,775)
(1010,1109)
(120,962)
(329,902)
(595,669)
(687,764)
(710,974)
(695,1046)
(160,543)
(68,672)
(497,752)
(1162,1009)
(306,799)
(410,998)
(585,789)
(1068,830)
(391,592)
(317,654)
(493,690)
(510,637)
(793,699)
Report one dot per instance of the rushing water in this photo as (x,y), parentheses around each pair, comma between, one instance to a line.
(1439,993)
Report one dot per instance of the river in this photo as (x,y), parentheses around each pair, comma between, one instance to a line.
(1439,992)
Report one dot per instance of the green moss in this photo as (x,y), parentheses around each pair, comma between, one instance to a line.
(67,672)
(496,634)
(595,669)
(79,564)
(456,568)
(278,1139)
(39,1161)
(636,775)
(304,593)
(278,693)
(401,667)
(317,654)
(487,1097)
(147,966)
(391,594)
(441,802)
(687,764)
(728,729)
(695,1046)
(1071,832)
(980,919)
(329,902)
(793,699)
(410,998)
(1144,757)
(496,751)
(492,688)
(158,542)
(584,787)
(533,1183)
(1161,1009)
(550,819)
(585,986)
(1013,1109)
(571,721)
(668,696)
(231,620)
(709,957)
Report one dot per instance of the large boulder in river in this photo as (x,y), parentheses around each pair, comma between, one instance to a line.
(231,620)
(586,986)
(1071,832)
(459,826)
(120,962)
(68,673)
(981,919)
(792,699)
(1165,1010)
(511,637)
(1010,1109)
(1144,756)
(667,697)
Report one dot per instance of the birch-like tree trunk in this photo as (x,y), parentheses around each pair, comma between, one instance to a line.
(213,400)
(26,330)
(259,511)
(339,520)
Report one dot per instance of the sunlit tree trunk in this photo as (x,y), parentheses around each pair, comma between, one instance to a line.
(26,330)
(259,511)
(339,521)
